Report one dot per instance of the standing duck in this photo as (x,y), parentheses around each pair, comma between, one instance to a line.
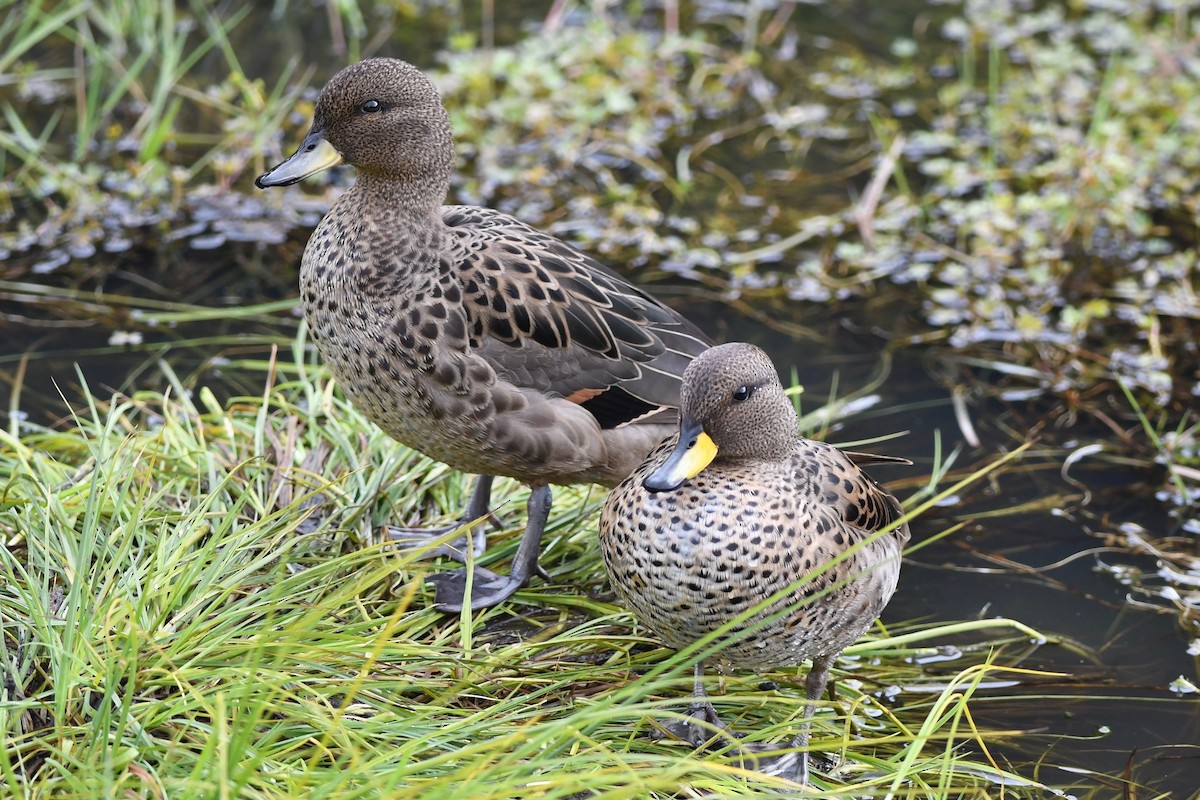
(464,333)
(735,510)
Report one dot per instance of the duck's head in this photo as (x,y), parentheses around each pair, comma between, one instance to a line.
(381,115)
(731,403)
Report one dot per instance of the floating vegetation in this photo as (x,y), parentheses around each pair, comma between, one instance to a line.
(1172,585)
(128,145)
(1053,217)
(1045,172)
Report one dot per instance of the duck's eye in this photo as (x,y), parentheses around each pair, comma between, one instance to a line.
(371,106)
(742,393)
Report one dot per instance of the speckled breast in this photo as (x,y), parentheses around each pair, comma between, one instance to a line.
(690,561)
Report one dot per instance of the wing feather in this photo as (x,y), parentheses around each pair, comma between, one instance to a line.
(547,317)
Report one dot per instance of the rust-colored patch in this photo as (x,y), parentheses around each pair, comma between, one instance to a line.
(581,396)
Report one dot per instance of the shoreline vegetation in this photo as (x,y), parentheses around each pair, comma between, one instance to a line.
(192,599)
(195,605)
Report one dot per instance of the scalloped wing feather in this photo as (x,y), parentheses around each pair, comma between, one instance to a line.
(550,318)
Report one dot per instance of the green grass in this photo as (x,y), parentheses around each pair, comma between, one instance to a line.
(193,603)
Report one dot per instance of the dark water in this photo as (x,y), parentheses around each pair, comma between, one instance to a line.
(1111,712)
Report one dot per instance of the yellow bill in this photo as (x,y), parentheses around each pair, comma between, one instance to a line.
(694,451)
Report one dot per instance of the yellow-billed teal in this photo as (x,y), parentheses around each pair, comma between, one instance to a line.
(463,332)
(738,507)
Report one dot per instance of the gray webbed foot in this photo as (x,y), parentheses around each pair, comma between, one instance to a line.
(701,729)
(705,731)
(475,540)
(456,549)
(488,588)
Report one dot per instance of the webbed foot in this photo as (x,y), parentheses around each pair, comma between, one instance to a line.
(475,540)
(702,727)
(488,588)
(456,549)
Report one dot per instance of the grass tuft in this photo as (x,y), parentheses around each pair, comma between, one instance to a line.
(193,603)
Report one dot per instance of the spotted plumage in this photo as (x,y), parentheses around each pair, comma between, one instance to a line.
(695,537)
(464,333)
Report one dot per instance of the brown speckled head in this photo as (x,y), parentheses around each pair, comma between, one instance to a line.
(387,119)
(734,393)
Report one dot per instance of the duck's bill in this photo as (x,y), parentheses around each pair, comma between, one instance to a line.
(314,155)
(694,451)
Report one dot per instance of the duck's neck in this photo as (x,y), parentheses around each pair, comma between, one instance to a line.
(393,233)
(413,200)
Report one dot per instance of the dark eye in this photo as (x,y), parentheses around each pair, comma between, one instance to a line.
(371,106)
(742,393)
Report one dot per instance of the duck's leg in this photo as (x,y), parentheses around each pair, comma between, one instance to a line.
(488,588)
(704,728)
(702,724)
(814,687)
(793,764)
(475,538)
